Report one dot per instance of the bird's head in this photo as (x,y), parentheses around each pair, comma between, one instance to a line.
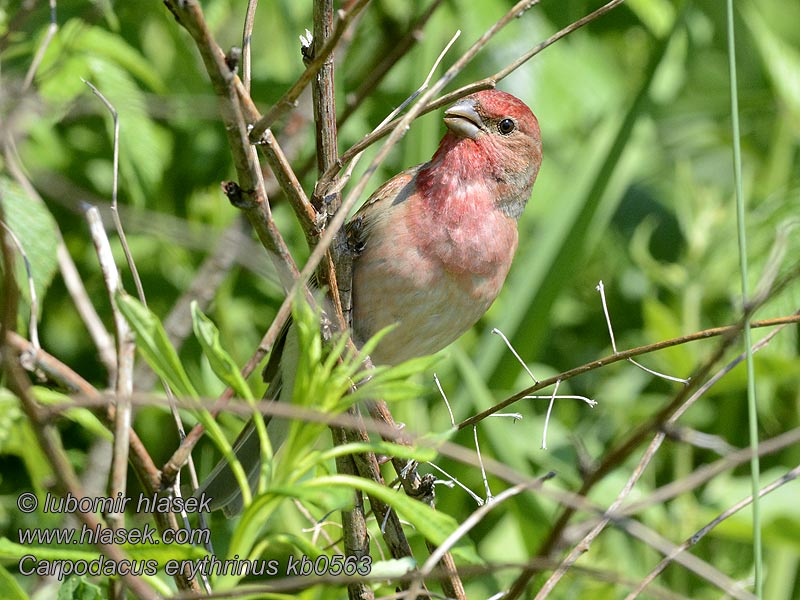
(494,135)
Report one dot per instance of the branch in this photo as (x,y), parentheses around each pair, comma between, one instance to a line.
(618,455)
(47,435)
(399,49)
(249,194)
(483,84)
(64,375)
(125,358)
(624,355)
(289,99)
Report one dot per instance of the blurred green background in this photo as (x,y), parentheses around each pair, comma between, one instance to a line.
(636,189)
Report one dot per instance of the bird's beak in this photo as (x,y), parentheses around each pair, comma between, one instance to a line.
(463,120)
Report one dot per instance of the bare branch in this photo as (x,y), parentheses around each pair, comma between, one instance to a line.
(247,39)
(624,355)
(114,190)
(249,194)
(125,357)
(483,84)
(52,29)
(694,539)
(287,102)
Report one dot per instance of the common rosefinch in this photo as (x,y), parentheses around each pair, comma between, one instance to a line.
(438,238)
(434,243)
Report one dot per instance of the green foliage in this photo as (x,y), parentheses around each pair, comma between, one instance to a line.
(154,344)
(37,233)
(221,362)
(78,588)
(9,586)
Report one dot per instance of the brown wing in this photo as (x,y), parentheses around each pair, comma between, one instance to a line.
(396,190)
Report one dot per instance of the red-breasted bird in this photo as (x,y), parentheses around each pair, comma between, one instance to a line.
(437,240)
(434,243)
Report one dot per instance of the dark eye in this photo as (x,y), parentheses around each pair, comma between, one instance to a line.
(506,126)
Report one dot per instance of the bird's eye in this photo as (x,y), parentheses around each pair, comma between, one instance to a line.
(506,126)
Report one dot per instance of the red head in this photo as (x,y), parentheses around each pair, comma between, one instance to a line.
(495,137)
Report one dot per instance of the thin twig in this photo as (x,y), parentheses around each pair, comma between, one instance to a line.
(698,535)
(485,479)
(247,45)
(483,84)
(707,472)
(668,416)
(123,240)
(492,81)
(125,357)
(374,76)
(52,29)
(513,350)
(399,49)
(624,355)
(549,411)
(345,177)
(446,401)
(80,297)
(732,588)
(33,321)
(476,517)
(290,184)
(602,290)
(288,100)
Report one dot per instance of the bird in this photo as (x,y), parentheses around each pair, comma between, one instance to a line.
(433,245)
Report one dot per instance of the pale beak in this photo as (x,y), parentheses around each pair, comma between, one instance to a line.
(463,120)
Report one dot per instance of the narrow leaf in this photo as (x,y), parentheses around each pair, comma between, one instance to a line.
(154,345)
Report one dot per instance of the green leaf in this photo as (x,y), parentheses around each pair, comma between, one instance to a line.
(390,569)
(657,15)
(9,588)
(221,362)
(114,49)
(36,230)
(82,416)
(154,345)
(17,438)
(435,526)
(386,448)
(78,588)
(781,61)
(228,372)
(248,530)
(65,61)
(12,551)
(334,493)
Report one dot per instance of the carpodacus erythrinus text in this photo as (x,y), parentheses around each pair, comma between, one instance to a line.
(438,238)
(433,244)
